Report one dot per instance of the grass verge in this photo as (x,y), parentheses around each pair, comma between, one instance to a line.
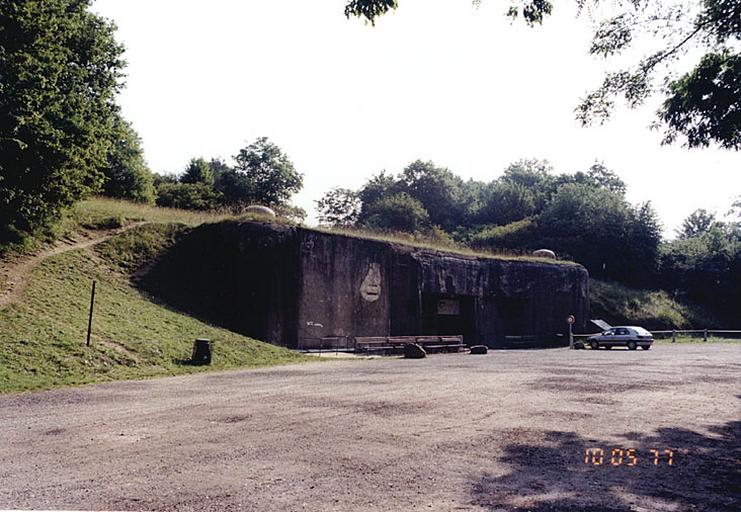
(104,213)
(42,339)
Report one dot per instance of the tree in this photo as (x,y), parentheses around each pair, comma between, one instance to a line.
(506,201)
(706,268)
(600,230)
(703,106)
(603,177)
(377,187)
(643,234)
(697,223)
(126,174)
(198,171)
(398,212)
(234,188)
(268,173)
(438,189)
(369,9)
(60,68)
(339,207)
(535,176)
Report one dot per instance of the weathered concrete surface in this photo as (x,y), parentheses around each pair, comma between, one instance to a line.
(505,431)
(301,287)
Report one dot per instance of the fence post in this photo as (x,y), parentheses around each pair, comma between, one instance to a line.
(90,318)
(674,336)
(706,335)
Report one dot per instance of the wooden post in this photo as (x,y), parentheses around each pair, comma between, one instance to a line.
(674,336)
(90,318)
(706,335)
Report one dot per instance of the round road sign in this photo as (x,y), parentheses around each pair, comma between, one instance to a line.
(570,319)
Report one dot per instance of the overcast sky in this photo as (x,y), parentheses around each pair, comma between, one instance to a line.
(436,80)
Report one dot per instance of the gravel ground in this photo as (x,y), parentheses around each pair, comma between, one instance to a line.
(503,432)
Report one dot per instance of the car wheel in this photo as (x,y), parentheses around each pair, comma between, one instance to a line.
(646,347)
(594,345)
(632,345)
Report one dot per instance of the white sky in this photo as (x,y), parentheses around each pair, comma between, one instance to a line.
(437,80)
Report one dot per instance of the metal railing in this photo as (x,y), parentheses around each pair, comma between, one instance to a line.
(705,333)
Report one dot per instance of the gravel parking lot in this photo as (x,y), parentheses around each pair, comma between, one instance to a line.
(502,432)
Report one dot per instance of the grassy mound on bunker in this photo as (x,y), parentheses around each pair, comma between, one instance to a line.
(42,337)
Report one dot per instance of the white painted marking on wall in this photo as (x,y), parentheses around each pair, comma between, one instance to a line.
(370,288)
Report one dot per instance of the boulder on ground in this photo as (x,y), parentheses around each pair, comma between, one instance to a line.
(479,349)
(414,351)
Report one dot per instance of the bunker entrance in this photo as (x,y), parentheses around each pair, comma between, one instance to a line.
(514,316)
(445,315)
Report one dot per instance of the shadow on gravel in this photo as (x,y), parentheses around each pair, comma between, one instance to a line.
(552,475)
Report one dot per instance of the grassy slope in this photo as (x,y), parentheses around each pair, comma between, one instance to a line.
(42,340)
(100,212)
(105,213)
(620,305)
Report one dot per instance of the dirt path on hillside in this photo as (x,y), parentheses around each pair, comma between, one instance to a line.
(15,274)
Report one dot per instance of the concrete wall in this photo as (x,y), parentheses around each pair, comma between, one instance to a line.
(296,286)
(359,287)
(344,287)
(243,276)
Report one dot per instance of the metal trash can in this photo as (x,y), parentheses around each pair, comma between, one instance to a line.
(201,352)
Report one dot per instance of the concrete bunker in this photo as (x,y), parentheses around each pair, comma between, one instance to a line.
(305,288)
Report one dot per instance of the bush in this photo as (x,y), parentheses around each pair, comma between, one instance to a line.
(399,212)
(515,235)
(188,196)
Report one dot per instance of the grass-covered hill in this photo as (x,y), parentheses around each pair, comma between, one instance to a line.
(42,333)
(653,309)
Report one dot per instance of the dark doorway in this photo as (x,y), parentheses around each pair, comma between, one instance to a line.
(445,315)
(514,316)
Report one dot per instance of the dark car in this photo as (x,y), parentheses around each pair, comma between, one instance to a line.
(624,336)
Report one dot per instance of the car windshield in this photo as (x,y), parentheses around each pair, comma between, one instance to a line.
(641,331)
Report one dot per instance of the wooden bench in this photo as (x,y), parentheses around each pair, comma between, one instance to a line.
(372,344)
(395,343)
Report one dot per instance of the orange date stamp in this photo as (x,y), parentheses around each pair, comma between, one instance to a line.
(628,457)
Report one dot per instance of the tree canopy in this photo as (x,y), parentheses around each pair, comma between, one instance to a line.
(60,68)
(268,173)
(198,171)
(697,223)
(126,173)
(583,215)
(262,174)
(701,107)
(339,207)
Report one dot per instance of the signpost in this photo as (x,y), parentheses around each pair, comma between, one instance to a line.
(570,320)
